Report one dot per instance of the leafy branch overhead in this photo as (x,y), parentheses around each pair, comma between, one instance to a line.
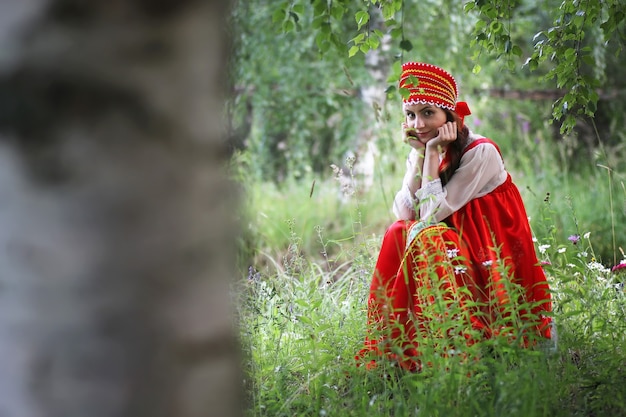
(569,49)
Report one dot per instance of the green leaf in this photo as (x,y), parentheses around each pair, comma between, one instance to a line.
(353,51)
(337,11)
(319,7)
(373,42)
(406,45)
(288,26)
(334,38)
(358,38)
(396,32)
(496,26)
(279,15)
(568,124)
(361,17)
(388,12)
(318,21)
(412,80)
(589,60)
(477,68)
(490,11)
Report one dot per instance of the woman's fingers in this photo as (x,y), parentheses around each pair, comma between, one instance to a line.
(447,132)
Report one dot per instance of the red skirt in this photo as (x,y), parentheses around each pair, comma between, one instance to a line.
(456,282)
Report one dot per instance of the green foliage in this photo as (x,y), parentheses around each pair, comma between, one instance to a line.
(492,31)
(293,110)
(574,43)
(301,67)
(302,325)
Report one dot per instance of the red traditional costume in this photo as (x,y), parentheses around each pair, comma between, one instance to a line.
(468,257)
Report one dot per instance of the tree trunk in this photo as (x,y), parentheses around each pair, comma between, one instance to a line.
(117,230)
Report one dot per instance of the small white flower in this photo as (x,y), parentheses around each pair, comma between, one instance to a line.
(452,253)
(488,263)
(562,250)
(542,248)
(596,266)
(534,239)
(586,235)
(459,269)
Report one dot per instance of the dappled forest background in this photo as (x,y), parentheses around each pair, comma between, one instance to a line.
(313,85)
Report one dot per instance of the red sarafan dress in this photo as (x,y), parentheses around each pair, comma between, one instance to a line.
(469,271)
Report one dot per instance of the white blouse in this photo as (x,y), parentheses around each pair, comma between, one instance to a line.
(480,172)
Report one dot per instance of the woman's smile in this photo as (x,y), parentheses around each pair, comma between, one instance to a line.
(423,135)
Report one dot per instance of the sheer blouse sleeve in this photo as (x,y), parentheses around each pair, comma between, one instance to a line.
(481,170)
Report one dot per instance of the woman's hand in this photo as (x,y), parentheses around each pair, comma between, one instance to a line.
(410,137)
(447,135)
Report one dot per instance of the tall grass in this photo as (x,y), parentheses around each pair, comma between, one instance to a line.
(301,331)
(306,277)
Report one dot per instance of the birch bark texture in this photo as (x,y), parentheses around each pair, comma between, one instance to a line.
(117,218)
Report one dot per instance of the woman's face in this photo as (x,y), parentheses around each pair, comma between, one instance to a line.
(426,119)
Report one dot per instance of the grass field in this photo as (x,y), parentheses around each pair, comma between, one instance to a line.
(308,251)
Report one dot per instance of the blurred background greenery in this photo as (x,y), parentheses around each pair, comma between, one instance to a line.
(300,105)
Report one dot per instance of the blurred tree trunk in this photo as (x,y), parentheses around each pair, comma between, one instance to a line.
(116,217)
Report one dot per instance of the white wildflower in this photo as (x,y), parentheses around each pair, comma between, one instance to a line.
(586,235)
(488,263)
(452,253)
(459,269)
(596,266)
(562,250)
(542,248)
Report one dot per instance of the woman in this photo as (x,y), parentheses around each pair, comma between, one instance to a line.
(462,247)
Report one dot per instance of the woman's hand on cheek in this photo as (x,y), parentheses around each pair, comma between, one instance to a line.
(447,135)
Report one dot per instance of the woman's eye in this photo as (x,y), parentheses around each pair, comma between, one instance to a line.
(410,116)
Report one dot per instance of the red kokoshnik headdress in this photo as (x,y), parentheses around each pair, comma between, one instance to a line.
(435,86)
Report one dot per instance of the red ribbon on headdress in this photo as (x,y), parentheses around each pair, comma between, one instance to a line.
(462,109)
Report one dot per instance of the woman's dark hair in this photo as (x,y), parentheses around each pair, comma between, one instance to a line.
(455,149)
